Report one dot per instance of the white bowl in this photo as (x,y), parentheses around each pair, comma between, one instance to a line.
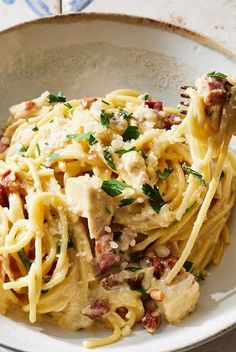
(91,54)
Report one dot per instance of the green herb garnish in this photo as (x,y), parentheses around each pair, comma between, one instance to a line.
(53,156)
(219,75)
(144,156)
(105,102)
(45,166)
(38,149)
(108,158)
(22,150)
(194,173)
(89,136)
(123,151)
(107,211)
(133,268)
(105,118)
(68,105)
(145,97)
(125,114)
(140,290)
(188,266)
(51,121)
(114,187)
(156,200)
(165,174)
(199,278)
(24,258)
(131,132)
(59,98)
(35,129)
(126,201)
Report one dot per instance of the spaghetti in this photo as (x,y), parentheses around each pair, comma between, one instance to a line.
(112,209)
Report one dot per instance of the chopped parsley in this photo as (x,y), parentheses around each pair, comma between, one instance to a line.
(144,156)
(188,266)
(22,150)
(107,211)
(105,118)
(199,277)
(59,98)
(123,151)
(125,114)
(38,149)
(69,244)
(131,132)
(219,75)
(126,201)
(68,105)
(89,136)
(165,174)
(194,173)
(133,268)
(140,290)
(145,97)
(24,258)
(53,156)
(108,158)
(46,167)
(114,187)
(156,200)
(51,121)
(35,129)
(105,102)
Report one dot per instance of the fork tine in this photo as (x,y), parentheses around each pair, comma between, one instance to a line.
(185,103)
(183,95)
(186,87)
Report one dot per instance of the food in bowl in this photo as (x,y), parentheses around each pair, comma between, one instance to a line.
(112,208)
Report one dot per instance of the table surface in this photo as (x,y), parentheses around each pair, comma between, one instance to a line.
(214,18)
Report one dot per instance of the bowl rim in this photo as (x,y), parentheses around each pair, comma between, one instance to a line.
(145,22)
(130,19)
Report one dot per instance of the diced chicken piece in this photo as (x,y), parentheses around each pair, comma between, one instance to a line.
(27,108)
(179,298)
(133,171)
(213,90)
(87,199)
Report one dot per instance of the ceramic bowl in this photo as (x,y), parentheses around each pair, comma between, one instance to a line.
(91,54)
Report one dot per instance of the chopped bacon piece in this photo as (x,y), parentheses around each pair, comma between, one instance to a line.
(3,196)
(29,105)
(151,321)
(171,120)
(213,90)
(105,255)
(108,282)
(86,102)
(169,263)
(160,264)
(9,181)
(97,309)
(156,105)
